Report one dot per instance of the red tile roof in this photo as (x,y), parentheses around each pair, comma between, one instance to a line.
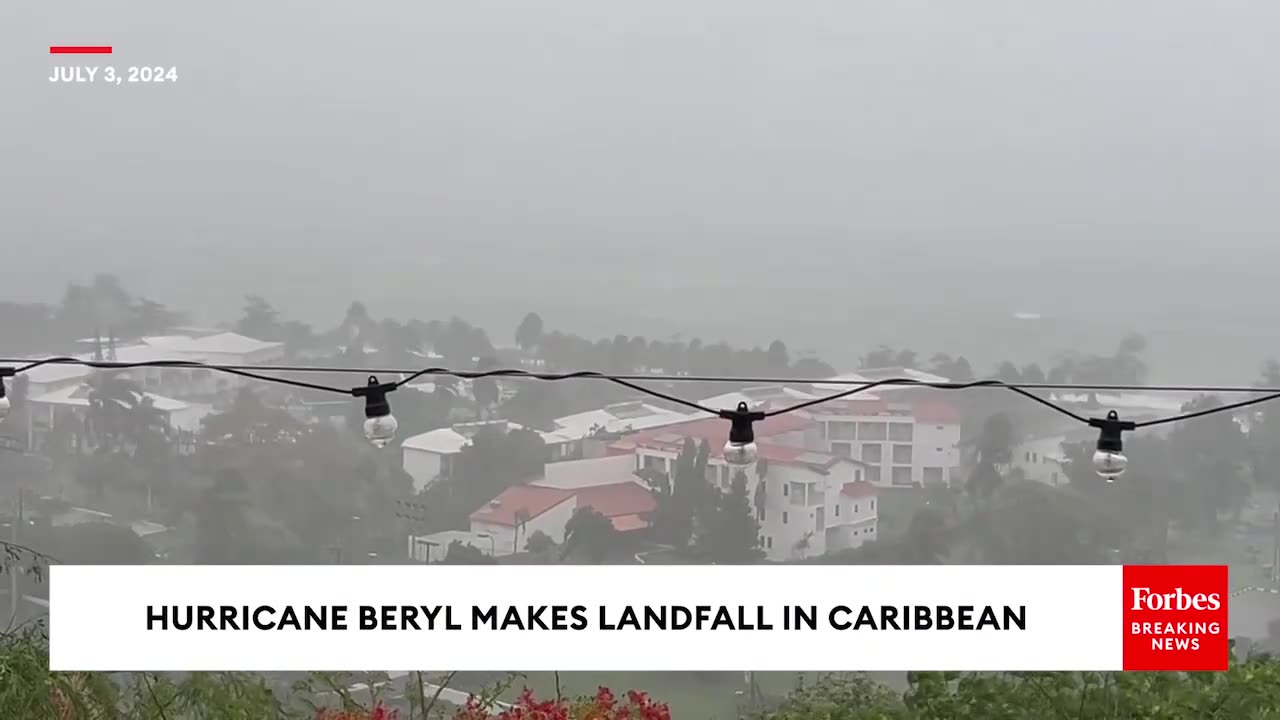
(858,489)
(534,500)
(616,500)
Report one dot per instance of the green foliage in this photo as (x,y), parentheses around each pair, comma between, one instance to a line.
(589,534)
(1249,690)
(732,531)
(465,554)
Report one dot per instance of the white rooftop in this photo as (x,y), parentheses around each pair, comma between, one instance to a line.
(870,375)
(755,397)
(450,440)
(619,417)
(78,396)
(576,474)
(159,347)
(223,343)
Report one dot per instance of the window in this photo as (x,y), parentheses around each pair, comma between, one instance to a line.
(873,504)
(797,493)
(842,449)
(932,476)
(873,475)
(820,519)
(857,474)
(652,462)
(837,509)
(762,514)
(1055,478)
(768,542)
(871,431)
(855,508)
(902,476)
(784,517)
(873,454)
(902,454)
(784,489)
(901,432)
(838,430)
(724,474)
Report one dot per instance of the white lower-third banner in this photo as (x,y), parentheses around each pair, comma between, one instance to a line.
(687,618)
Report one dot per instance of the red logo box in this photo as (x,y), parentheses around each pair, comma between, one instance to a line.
(1175,618)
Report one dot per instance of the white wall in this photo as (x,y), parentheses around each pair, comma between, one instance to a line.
(189,418)
(928,440)
(422,466)
(1038,460)
(780,538)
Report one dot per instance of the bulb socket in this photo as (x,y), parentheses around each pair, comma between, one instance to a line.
(741,431)
(1111,431)
(374,393)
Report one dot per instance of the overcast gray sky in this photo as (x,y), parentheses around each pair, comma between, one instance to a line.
(884,166)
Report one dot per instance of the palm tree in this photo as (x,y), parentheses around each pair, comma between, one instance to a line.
(112,400)
(522,518)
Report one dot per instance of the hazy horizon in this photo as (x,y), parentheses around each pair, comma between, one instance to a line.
(836,175)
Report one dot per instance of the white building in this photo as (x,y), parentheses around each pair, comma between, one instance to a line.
(1040,460)
(430,456)
(48,408)
(904,444)
(218,348)
(807,502)
(621,417)
(608,485)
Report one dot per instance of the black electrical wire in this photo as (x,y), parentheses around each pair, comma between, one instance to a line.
(415,373)
(939,386)
(1209,411)
(254,372)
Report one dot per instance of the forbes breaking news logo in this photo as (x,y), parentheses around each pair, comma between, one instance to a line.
(1175,618)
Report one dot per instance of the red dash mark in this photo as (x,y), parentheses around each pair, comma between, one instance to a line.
(79,49)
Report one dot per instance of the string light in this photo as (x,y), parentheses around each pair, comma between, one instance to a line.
(741,448)
(1109,459)
(5,403)
(380,425)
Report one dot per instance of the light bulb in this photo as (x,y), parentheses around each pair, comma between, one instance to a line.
(380,430)
(4,407)
(741,448)
(740,453)
(1109,460)
(1109,464)
(379,425)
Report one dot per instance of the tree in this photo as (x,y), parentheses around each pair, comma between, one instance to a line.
(733,534)
(460,554)
(222,536)
(485,389)
(926,539)
(591,533)
(529,332)
(995,451)
(1210,455)
(260,320)
(679,498)
(539,543)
